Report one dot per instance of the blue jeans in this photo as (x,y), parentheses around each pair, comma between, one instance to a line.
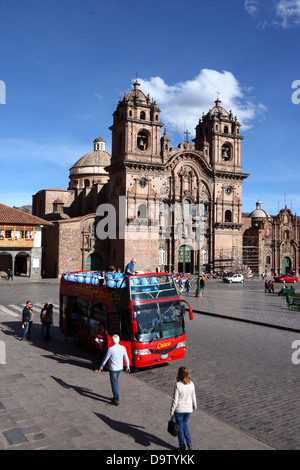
(114,376)
(25,330)
(182,419)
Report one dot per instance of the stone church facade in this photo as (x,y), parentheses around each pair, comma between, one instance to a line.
(272,243)
(171,208)
(184,193)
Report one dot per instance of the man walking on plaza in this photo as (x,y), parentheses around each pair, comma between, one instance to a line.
(115,355)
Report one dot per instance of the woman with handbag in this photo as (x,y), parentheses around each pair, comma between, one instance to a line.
(183,404)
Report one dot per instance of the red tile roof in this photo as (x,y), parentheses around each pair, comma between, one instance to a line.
(9,215)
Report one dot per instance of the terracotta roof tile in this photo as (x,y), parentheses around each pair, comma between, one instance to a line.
(10,215)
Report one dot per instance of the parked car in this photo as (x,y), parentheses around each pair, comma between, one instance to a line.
(286,278)
(234,278)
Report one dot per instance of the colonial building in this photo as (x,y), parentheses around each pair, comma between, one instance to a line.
(21,242)
(165,203)
(272,243)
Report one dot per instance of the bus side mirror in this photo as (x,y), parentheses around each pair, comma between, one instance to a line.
(190,309)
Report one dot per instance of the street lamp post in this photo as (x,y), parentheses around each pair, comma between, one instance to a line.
(198,291)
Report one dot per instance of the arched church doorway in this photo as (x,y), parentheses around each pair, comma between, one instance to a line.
(286,265)
(94,262)
(185,259)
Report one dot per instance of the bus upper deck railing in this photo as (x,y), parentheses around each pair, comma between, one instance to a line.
(142,287)
(95,278)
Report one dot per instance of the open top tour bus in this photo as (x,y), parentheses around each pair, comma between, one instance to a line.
(144,310)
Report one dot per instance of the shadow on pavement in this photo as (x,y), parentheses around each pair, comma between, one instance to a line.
(141,437)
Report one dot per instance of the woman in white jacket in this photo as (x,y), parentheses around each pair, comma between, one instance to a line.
(183,404)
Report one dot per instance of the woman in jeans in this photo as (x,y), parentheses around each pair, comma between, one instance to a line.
(183,404)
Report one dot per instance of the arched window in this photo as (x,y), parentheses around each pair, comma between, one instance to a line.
(142,211)
(268,260)
(86,183)
(187,207)
(142,115)
(228,216)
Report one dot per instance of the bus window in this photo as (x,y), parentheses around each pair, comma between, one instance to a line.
(100,312)
(125,325)
(159,320)
(152,287)
(113,326)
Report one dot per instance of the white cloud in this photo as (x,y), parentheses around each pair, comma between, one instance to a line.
(283,13)
(182,104)
(288,12)
(252,7)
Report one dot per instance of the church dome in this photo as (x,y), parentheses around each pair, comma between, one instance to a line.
(93,162)
(90,169)
(259,213)
(136,95)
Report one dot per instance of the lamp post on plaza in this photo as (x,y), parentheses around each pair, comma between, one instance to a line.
(199,290)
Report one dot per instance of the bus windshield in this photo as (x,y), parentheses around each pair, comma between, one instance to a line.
(151,287)
(159,320)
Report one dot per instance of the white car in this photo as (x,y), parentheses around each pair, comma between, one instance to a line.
(234,278)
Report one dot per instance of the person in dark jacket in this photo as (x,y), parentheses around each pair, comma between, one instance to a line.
(48,321)
(26,319)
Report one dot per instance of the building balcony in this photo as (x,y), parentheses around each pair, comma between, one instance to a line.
(16,243)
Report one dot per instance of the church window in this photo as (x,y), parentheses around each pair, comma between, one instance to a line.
(156,117)
(268,260)
(162,256)
(228,216)
(142,211)
(86,183)
(142,140)
(225,129)
(142,115)
(286,234)
(187,208)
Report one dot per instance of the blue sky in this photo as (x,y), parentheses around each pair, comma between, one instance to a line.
(65,63)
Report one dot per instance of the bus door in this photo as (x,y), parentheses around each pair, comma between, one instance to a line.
(118,324)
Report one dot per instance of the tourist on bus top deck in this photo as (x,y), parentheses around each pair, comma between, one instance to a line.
(129,270)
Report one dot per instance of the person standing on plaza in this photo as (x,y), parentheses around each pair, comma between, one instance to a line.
(180,283)
(115,354)
(187,286)
(101,346)
(9,274)
(42,318)
(48,321)
(26,319)
(30,323)
(202,284)
(183,404)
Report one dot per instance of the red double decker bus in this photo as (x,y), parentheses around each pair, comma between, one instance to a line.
(144,310)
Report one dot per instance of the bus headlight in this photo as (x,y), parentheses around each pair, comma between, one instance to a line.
(141,352)
(181,345)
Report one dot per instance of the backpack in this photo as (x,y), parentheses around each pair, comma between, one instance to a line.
(43,315)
